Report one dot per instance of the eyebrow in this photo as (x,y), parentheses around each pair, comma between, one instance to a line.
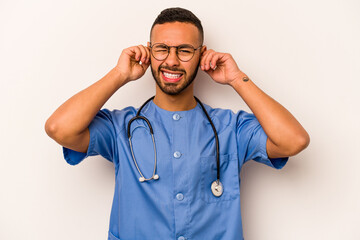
(171,45)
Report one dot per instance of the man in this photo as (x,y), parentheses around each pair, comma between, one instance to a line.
(179,200)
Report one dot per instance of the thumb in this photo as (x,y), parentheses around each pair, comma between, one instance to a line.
(145,65)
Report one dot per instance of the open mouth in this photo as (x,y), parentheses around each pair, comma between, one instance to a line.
(171,77)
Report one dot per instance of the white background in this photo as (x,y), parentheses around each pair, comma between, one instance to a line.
(305,54)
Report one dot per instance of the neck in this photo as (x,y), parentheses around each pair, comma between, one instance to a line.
(181,102)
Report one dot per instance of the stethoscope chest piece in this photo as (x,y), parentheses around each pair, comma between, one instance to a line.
(217,188)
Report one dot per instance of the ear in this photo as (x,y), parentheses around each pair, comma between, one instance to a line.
(203,49)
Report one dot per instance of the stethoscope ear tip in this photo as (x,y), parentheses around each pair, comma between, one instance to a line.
(142,179)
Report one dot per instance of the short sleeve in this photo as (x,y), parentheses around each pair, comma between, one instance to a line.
(251,139)
(102,139)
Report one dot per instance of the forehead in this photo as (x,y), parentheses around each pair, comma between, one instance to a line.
(175,33)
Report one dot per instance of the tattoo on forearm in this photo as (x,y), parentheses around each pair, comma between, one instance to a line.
(245,79)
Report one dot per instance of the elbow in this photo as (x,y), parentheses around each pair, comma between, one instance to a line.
(50,128)
(291,145)
(300,143)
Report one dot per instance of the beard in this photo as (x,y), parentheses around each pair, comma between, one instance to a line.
(174,88)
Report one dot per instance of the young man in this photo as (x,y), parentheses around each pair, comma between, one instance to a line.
(182,181)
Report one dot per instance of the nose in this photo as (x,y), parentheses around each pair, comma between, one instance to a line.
(172,59)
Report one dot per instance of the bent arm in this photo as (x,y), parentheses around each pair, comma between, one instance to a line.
(286,136)
(68,125)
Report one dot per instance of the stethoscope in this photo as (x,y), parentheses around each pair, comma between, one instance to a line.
(216,187)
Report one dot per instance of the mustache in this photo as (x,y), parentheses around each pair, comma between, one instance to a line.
(171,69)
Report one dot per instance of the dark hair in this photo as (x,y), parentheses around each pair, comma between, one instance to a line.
(178,15)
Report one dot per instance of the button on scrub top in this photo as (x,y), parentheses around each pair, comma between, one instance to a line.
(180,205)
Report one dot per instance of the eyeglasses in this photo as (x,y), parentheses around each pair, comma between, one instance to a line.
(184,52)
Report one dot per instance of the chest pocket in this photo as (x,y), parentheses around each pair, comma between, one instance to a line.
(229,177)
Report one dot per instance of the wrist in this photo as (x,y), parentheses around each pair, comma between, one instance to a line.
(239,79)
(119,77)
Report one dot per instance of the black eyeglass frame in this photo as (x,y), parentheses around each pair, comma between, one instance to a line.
(177,50)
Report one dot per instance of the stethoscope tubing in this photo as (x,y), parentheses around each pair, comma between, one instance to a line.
(154,176)
(216,139)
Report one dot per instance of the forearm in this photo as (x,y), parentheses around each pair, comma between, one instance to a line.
(278,123)
(75,115)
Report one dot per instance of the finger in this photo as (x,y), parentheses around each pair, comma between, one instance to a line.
(137,53)
(130,52)
(140,56)
(203,58)
(145,65)
(208,59)
(143,53)
(214,61)
(146,56)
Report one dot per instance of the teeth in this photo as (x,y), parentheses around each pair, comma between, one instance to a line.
(171,75)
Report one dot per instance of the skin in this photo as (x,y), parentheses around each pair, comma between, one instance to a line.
(172,34)
(286,136)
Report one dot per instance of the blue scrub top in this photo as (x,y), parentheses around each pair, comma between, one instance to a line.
(180,205)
